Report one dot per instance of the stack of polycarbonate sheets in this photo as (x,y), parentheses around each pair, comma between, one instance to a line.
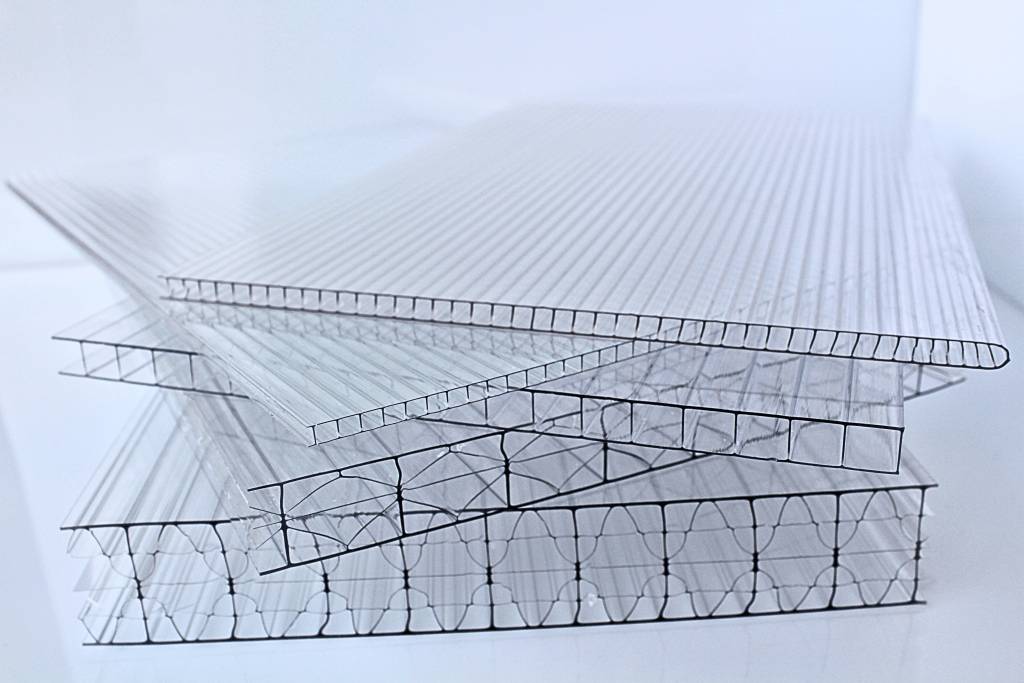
(719,537)
(570,365)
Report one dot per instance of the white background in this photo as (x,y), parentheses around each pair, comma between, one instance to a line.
(83,82)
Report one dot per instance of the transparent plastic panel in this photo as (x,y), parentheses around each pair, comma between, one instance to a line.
(406,479)
(326,376)
(543,569)
(401,481)
(718,537)
(134,344)
(820,273)
(160,469)
(332,376)
(144,218)
(818,234)
(127,343)
(575,365)
(820,411)
(810,235)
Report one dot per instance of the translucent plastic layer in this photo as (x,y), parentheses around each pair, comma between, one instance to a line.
(408,479)
(817,234)
(717,537)
(127,344)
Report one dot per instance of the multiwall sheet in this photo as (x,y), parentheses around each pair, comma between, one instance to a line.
(140,218)
(703,399)
(818,234)
(328,376)
(829,271)
(324,376)
(522,447)
(718,537)
(125,343)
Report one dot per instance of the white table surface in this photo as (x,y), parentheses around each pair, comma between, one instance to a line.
(54,430)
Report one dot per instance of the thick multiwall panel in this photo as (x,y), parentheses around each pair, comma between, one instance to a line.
(667,383)
(819,234)
(528,446)
(718,537)
(648,562)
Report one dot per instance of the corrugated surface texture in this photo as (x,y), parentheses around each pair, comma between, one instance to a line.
(806,233)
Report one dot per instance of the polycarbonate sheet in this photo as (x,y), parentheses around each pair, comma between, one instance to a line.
(327,376)
(820,234)
(409,478)
(160,469)
(144,218)
(822,405)
(133,343)
(401,481)
(299,366)
(340,375)
(538,569)
(148,481)
(537,465)
(126,343)
(718,537)
(324,376)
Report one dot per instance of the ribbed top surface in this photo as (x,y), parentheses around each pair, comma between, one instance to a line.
(792,228)
(141,219)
